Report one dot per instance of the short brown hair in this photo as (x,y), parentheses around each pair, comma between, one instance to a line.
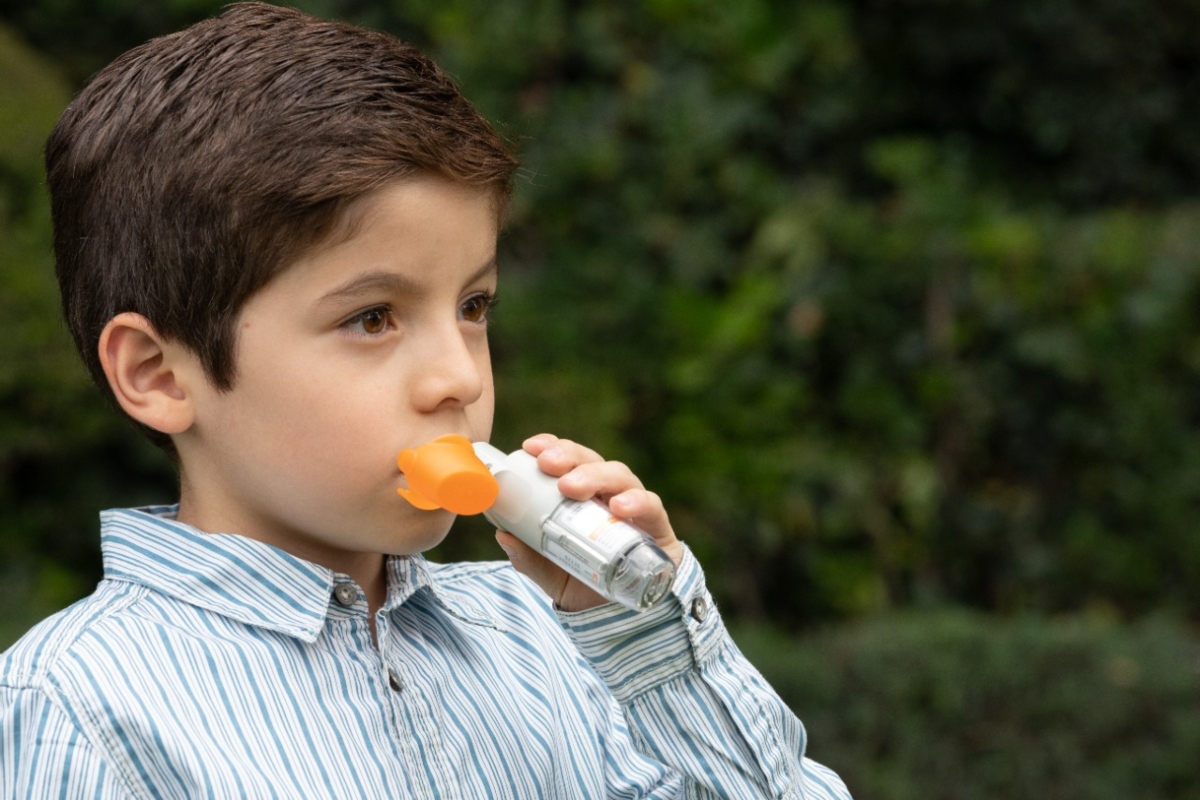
(190,170)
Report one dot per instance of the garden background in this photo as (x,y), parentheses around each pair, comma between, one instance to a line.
(893,301)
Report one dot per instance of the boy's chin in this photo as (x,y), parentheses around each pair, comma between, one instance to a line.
(425,532)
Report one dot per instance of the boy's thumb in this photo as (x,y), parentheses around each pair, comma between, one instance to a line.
(533,565)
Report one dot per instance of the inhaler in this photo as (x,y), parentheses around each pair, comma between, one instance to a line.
(615,558)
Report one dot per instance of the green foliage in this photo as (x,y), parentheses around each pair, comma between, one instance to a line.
(954,706)
(1083,100)
(58,443)
(891,301)
(862,378)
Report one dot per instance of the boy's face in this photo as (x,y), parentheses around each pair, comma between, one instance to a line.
(363,347)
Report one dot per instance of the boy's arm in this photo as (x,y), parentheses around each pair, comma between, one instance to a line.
(43,754)
(691,699)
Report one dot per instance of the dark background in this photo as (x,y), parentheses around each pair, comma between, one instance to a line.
(893,301)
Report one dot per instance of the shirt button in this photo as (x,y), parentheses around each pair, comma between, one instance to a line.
(699,610)
(394,680)
(346,593)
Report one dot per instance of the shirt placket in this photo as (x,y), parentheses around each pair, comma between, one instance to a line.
(414,719)
(351,604)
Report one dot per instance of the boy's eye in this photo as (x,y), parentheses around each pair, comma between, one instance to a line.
(476,307)
(371,322)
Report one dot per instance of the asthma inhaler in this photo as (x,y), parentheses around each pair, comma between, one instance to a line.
(583,537)
(616,559)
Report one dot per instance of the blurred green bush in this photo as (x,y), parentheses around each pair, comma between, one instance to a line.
(63,454)
(893,302)
(954,706)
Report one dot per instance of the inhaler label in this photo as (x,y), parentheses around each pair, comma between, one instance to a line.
(586,540)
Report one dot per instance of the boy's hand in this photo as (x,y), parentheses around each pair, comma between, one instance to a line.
(583,474)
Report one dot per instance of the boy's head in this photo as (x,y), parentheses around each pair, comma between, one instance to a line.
(192,169)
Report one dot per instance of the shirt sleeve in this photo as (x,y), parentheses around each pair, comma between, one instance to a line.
(43,754)
(692,700)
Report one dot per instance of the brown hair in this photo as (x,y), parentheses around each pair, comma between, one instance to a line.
(193,168)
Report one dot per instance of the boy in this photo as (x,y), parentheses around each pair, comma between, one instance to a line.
(276,244)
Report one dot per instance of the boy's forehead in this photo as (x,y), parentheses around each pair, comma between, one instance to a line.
(357,213)
(370,218)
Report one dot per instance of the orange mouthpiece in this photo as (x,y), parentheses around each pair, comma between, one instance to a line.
(446,473)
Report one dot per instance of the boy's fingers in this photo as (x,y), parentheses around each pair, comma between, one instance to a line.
(534,445)
(532,564)
(605,478)
(645,510)
(583,474)
(557,456)
(638,504)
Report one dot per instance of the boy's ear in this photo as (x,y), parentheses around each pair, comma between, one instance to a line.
(148,374)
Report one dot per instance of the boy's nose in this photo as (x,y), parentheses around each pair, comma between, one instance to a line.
(451,372)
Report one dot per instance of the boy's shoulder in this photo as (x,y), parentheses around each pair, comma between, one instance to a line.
(33,658)
(490,594)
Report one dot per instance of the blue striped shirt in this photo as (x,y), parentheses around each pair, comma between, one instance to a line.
(217,666)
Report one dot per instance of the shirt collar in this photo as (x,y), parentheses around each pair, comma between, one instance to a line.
(408,575)
(244,579)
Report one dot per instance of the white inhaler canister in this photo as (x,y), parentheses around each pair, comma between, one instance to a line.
(616,559)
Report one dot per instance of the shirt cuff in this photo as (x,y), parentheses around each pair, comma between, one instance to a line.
(634,652)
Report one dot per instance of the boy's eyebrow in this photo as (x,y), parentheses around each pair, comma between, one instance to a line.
(382,281)
(490,267)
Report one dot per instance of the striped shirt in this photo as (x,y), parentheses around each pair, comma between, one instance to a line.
(217,666)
